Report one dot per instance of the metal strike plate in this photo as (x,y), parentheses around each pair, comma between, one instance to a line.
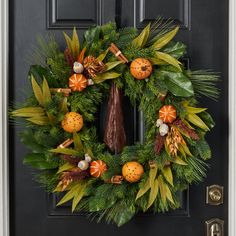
(214,227)
(215,195)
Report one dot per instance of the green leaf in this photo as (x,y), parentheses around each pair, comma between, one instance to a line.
(66,166)
(28,112)
(111,65)
(92,35)
(152,175)
(105,76)
(46,92)
(168,174)
(63,105)
(39,120)
(79,195)
(203,149)
(66,151)
(39,161)
(169,194)
(102,56)
(169,59)
(143,189)
(165,39)
(69,195)
(75,44)
(153,193)
(77,142)
(179,161)
(162,190)
(175,49)
(208,120)
(37,91)
(194,110)
(177,83)
(68,42)
(142,38)
(196,120)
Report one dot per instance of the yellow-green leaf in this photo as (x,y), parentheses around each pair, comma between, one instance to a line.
(69,195)
(105,76)
(179,161)
(46,91)
(102,56)
(64,107)
(75,44)
(78,196)
(194,110)
(162,190)
(142,38)
(196,120)
(66,166)
(77,142)
(168,174)
(156,61)
(37,91)
(169,194)
(68,42)
(36,110)
(165,39)
(169,59)
(39,120)
(152,174)
(89,152)
(153,193)
(112,64)
(144,189)
(66,151)
(186,149)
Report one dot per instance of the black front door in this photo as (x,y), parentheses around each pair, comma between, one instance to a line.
(204,29)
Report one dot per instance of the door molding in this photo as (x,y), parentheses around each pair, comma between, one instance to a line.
(4,181)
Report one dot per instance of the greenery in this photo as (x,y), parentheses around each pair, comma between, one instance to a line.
(165,173)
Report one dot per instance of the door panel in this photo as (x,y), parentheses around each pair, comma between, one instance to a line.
(204,30)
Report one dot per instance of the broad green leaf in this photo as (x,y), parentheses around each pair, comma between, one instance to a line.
(39,120)
(203,149)
(153,193)
(162,190)
(105,76)
(37,91)
(66,151)
(142,38)
(66,166)
(75,43)
(102,56)
(156,61)
(165,39)
(177,83)
(79,195)
(175,49)
(206,117)
(179,161)
(77,142)
(168,174)
(143,189)
(196,120)
(46,92)
(169,59)
(194,110)
(169,194)
(39,161)
(111,65)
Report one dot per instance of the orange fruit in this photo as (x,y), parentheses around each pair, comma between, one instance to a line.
(140,68)
(72,122)
(132,171)
(167,113)
(97,168)
(77,82)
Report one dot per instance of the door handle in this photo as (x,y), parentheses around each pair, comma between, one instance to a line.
(215,227)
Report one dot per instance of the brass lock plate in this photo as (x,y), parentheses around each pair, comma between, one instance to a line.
(214,227)
(215,195)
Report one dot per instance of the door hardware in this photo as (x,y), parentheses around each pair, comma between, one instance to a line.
(215,227)
(214,195)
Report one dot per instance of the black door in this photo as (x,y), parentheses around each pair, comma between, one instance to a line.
(204,28)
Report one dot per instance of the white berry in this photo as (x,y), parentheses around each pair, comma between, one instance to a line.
(90,82)
(78,67)
(87,157)
(159,122)
(83,165)
(164,128)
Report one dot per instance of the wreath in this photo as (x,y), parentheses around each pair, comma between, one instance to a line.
(61,113)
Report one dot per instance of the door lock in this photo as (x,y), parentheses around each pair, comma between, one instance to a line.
(215,227)
(214,195)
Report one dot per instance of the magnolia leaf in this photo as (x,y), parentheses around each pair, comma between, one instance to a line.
(153,193)
(77,142)
(186,149)
(143,189)
(39,120)
(169,194)
(177,83)
(79,195)
(168,174)
(111,65)
(66,151)
(152,175)
(179,161)
(156,61)
(46,92)
(165,39)
(196,120)
(194,110)
(102,56)
(169,59)
(181,149)
(175,49)
(63,105)
(206,117)
(37,91)
(162,190)
(66,166)
(99,78)
(28,112)
(142,38)
(68,42)
(69,195)
(75,44)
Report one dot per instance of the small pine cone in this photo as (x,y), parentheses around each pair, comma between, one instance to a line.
(93,66)
(159,143)
(186,129)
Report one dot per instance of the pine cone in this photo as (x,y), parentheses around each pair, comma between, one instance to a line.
(93,66)
(159,143)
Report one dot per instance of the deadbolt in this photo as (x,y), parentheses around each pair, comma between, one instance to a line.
(215,227)
(214,194)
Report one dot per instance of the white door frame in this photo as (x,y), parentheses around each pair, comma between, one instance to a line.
(4,182)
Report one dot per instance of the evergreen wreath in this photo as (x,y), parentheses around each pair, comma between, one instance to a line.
(110,180)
